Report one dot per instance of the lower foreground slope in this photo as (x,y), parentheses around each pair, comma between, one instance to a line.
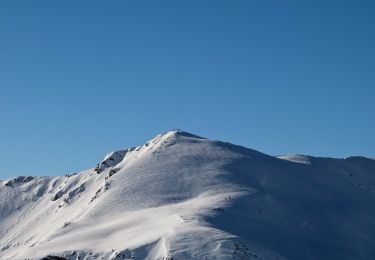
(181,196)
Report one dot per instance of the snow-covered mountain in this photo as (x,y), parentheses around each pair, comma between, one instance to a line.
(180,196)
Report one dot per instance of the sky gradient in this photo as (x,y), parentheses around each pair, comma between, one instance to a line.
(79,79)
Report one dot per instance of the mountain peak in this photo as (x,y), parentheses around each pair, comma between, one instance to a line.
(179,132)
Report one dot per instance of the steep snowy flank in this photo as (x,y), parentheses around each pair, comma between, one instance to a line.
(181,196)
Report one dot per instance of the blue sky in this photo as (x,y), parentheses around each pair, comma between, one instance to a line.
(82,78)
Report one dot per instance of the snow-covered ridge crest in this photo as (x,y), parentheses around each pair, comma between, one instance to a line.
(182,196)
(114,158)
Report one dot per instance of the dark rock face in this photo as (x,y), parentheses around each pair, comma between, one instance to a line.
(53,257)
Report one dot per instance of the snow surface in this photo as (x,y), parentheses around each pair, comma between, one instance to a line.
(296,158)
(180,196)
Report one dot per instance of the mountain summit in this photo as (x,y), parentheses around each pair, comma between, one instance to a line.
(181,196)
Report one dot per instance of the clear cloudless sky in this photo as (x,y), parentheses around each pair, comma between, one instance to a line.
(79,79)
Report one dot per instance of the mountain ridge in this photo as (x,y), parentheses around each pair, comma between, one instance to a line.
(188,134)
(182,196)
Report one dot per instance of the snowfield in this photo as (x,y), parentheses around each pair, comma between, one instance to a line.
(180,196)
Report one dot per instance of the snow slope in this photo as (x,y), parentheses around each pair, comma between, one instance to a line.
(180,196)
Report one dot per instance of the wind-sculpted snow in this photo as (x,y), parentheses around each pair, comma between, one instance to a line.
(180,196)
